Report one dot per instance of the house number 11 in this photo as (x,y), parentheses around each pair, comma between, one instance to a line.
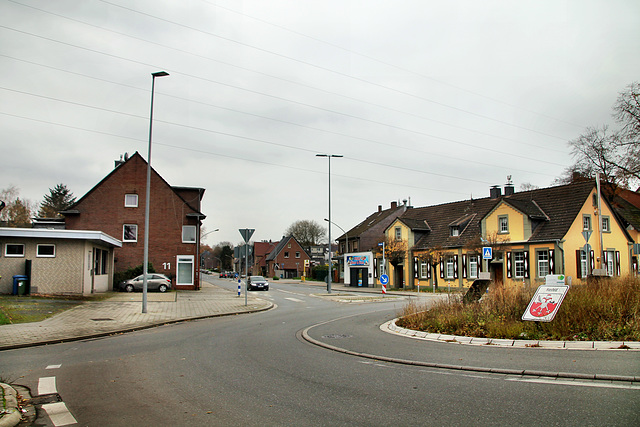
(166,265)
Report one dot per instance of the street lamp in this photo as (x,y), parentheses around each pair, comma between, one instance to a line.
(346,235)
(329,156)
(145,263)
(212,231)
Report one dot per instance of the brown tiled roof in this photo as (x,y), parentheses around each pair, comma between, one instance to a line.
(552,209)
(372,220)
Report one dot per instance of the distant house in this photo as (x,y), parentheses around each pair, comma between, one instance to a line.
(57,262)
(260,251)
(357,246)
(116,206)
(287,259)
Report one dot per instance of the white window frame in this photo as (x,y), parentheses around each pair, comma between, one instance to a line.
(39,255)
(451,270)
(184,233)
(423,270)
(8,255)
(127,201)
(518,265)
(124,229)
(398,233)
(183,261)
(473,266)
(606,224)
(455,231)
(543,263)
(503,224)
(584,263)
(586,222)
(611,263)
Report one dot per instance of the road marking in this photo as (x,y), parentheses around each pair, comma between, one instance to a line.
(53,367)
(292,293)
(59,414)
(294,299)
(47,385)
(598,384)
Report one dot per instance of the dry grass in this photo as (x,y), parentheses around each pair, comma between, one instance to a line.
(604,310)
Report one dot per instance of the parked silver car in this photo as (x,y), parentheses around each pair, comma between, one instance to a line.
(155,281)
(257,282)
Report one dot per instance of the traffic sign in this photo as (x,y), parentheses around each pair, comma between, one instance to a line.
(246,233)
(545,303)
(384,279)
(487,253)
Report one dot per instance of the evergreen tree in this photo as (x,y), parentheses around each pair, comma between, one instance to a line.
(58,199)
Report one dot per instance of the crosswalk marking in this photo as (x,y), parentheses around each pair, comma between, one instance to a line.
(59,414)
(294,299)
(47,385)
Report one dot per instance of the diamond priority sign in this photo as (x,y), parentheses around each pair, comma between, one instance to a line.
(546,301)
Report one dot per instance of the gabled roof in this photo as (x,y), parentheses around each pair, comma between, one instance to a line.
(176,190)
(373,220)
(281,245)
(554,209)
(627,205)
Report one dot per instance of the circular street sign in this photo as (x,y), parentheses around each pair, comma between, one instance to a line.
(384,279)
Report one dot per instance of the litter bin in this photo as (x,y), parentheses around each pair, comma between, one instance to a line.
(20,285)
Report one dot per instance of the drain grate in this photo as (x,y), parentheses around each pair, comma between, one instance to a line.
(45,398)
(102,319)
(337,336)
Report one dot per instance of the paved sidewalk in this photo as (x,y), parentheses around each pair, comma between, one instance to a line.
(123,313)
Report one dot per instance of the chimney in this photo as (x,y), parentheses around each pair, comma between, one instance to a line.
(394,205)
(495,191)
(379,208)
(118,162)
(509,189)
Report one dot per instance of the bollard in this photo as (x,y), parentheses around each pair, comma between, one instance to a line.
(239,288)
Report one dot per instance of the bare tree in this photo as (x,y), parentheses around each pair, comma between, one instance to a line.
(614,154)
(307,232)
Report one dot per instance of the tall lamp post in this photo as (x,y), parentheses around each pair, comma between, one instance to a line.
(346,246)
(329,156)
(145,264)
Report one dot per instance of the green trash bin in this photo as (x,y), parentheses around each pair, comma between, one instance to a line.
(22,286)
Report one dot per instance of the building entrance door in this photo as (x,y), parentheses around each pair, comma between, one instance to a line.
(359,277)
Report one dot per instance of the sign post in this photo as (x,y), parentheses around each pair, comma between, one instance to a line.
(246,235)
(384,279)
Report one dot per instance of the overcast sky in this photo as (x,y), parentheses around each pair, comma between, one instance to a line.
(432,101)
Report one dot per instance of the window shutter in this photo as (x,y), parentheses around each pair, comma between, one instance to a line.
(593,261)
(479,264)
(617,263)
(509,265)
(415,267)
(579,272)
(464,266)
(428,270)
(375,268)
(552,262)
(455,266)
(441,268)
(526,264)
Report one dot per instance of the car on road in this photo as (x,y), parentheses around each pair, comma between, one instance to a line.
(158,282)
(223,274)
(257,282)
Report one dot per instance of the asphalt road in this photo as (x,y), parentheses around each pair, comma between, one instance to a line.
(257,370)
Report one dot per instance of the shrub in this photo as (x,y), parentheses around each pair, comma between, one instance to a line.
(606,310)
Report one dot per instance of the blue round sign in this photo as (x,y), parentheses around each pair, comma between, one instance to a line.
(384,279)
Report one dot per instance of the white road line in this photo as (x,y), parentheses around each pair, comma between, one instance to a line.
(293,293)
(59,414)
(47,385)
(53,367)
(576,383)
(294,299)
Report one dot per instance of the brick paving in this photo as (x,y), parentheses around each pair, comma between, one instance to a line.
(123,312)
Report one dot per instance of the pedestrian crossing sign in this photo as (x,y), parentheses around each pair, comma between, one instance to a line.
(487,253)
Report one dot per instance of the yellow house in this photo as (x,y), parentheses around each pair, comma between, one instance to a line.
(555,230)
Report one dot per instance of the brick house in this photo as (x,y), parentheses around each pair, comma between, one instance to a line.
(260,252)
(287,259)
(116,206)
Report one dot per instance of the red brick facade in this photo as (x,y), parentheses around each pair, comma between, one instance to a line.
(171,208)
(287,259)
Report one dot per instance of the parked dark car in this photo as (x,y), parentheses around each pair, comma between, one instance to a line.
(223,274)
(158,282)
(257,282)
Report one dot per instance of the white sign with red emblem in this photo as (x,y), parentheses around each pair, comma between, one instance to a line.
(545,303)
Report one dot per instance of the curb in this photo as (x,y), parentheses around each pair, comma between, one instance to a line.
(392,328)
(518,372)
(131,329)
(12,415)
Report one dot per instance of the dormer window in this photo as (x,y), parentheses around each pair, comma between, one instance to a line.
(454,231)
